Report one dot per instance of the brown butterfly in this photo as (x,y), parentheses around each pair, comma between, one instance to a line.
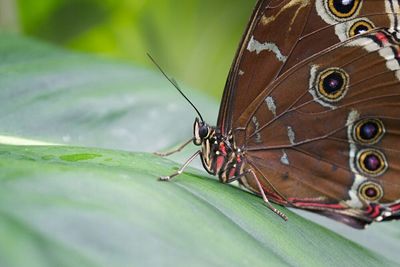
(311,109)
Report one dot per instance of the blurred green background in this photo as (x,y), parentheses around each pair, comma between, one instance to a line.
(195,41)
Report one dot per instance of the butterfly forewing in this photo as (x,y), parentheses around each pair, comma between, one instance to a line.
(259,59)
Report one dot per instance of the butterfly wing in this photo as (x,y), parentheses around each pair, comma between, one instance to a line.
(331,144)
(301,141)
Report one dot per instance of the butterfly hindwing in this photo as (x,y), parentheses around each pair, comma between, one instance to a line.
(329,144)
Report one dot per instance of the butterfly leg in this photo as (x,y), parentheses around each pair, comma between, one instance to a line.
(167,178)
(266,201)
(165,154)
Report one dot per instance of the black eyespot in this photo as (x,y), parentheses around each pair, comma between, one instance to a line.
(370,191)
(343,8)
(371,162)
(368,131)
(360,27)
(203,131)
(332,84)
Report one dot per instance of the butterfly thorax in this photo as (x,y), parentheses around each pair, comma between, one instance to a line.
(219,153)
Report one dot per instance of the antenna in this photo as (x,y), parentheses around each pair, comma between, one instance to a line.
(175,84)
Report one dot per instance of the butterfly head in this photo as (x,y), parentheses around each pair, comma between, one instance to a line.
(201,131)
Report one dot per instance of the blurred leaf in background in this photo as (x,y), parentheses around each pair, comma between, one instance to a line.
(9,19)
(194,40)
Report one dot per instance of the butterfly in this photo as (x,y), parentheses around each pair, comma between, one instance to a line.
(310,112)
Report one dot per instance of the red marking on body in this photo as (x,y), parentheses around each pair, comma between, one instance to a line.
(220,162)
(381,37)
(369,209)
(238,159)
(232,172)
(222,148)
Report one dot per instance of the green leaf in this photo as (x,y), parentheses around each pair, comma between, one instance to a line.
(68,206)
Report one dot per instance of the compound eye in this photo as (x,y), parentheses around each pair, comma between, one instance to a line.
(203,131)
